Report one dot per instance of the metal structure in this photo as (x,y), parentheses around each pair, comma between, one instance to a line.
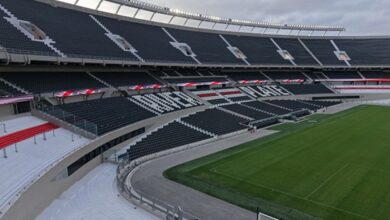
(118,7)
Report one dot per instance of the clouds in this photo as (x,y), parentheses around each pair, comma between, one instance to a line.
(360,17)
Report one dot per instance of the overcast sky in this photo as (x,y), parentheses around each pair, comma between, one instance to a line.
(360,17)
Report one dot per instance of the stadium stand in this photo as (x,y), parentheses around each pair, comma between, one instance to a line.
(233,94)
(107,114)
(265,91)
(342,74)
(368,52)
(283,75)
(170,136)
(374,74)
(242,75)
(294,105)
(246,111)
(119,79)
(198,79)
(216,121)
(209,48)
(323,104)
(15,41)
(86,39)
(8,91)
(259,50)
(165,102)
(295,48)
(324,51)
(266,107)
(302,89)
(53,81)
(157,48)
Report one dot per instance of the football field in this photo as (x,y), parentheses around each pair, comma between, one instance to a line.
(326,167)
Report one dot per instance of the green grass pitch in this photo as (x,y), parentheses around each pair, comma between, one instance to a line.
(326,167)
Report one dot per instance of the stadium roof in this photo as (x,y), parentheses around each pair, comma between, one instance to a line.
(133,8)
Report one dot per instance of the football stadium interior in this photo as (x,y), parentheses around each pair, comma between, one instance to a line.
(107,114)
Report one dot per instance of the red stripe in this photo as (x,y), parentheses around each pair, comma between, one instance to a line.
(230,93)
(22,135)
(207,95)
(363,88)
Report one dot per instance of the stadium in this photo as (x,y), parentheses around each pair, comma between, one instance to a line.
(178,115)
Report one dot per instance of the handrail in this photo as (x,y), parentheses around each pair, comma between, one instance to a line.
(12,196)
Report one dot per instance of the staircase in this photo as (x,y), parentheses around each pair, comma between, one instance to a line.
(197,129)
(25,134)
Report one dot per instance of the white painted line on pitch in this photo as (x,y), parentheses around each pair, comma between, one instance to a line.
(326,181)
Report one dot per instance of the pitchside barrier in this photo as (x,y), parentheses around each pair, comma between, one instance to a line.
(262,216)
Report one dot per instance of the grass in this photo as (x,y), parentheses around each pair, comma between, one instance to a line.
(327,167)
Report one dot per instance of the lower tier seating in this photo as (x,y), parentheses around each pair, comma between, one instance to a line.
(107,114)
(119,79)
(216,121)
(294,105)
(302,89)
(323,104)
(246,111)
(264,106)
(43,82)
(170,136)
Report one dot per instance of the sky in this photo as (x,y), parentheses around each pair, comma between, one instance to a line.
(360,17)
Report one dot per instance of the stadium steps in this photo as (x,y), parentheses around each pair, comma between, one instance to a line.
(101,81)
(235,114)
(269,103)
(307,103)
(197,128)
(259,110)
(25,134)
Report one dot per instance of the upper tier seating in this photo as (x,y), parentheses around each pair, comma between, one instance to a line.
(15,41)
(366,51)
(119,79)
(151,42)
(295,48)
(216,121)
(209,48)
(342,74)
(8,91)
(108,114)
(88,39)
(168,137)
(282,75)
(266,107)
(75,33)
(259,50)
(44,82)
(165,102)
(324,51)
(302,89)
(246,111)
(375,74)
